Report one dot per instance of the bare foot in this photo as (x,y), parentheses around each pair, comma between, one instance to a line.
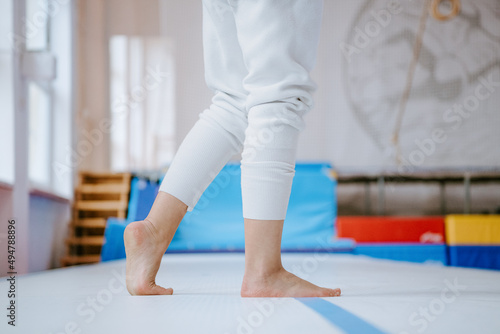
(144,248)
(282,284)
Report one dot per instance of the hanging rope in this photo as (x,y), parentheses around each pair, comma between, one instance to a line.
(430,6)
(409,79)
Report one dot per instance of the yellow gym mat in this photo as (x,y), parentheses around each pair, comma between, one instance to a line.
(472,229)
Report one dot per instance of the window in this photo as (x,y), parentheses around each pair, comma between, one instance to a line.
(37,25)
(40,141)
(46,66)
(142,103)
(6,96)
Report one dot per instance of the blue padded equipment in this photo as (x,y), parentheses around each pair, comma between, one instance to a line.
(475,256)
(216,223)
(409,252)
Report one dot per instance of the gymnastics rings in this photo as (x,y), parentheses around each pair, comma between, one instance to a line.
(455,9)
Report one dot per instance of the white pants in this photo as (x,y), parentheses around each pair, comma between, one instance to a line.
(258,55)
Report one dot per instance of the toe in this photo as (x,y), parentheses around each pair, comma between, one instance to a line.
(149,289)
(334,292)
(158,290)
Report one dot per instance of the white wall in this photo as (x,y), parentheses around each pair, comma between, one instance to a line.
(181,21)
(332,133)
(98,20)
(48,227)
(48,230)
(5,216)
(92,85)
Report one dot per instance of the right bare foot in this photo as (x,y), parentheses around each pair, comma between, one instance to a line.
(144,248)
(281,283)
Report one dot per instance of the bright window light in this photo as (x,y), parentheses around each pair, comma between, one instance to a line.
(142,102)
(6,95)
(37,24)
(39,135)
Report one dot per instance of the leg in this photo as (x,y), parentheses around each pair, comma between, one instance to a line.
(214,139)
(146,242)
(220,131)
(264,274)
(278,41)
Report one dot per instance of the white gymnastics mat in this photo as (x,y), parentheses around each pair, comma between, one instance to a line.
(378,296)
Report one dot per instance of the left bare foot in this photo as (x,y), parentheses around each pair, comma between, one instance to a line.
(144,249)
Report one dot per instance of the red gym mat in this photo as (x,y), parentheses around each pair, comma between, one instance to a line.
(392,229)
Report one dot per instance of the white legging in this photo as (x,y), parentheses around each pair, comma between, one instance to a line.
(258,55)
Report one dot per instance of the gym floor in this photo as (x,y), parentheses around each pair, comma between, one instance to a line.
(378,296)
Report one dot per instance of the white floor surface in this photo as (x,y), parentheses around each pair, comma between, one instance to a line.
(394,297)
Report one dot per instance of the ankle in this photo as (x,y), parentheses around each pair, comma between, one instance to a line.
(155,230)
(262,272)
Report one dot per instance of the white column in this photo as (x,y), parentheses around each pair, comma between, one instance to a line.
(20,194)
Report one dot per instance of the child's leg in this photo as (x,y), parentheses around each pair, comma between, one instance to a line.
(278,39)
(215,138)
(264,274)
(146,242)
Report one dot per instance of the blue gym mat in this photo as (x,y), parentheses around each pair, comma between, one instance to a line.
(475,256)
(435,253)
(216,223)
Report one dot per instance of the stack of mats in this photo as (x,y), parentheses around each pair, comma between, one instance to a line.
(474,240)
(413,239)
(216,223)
